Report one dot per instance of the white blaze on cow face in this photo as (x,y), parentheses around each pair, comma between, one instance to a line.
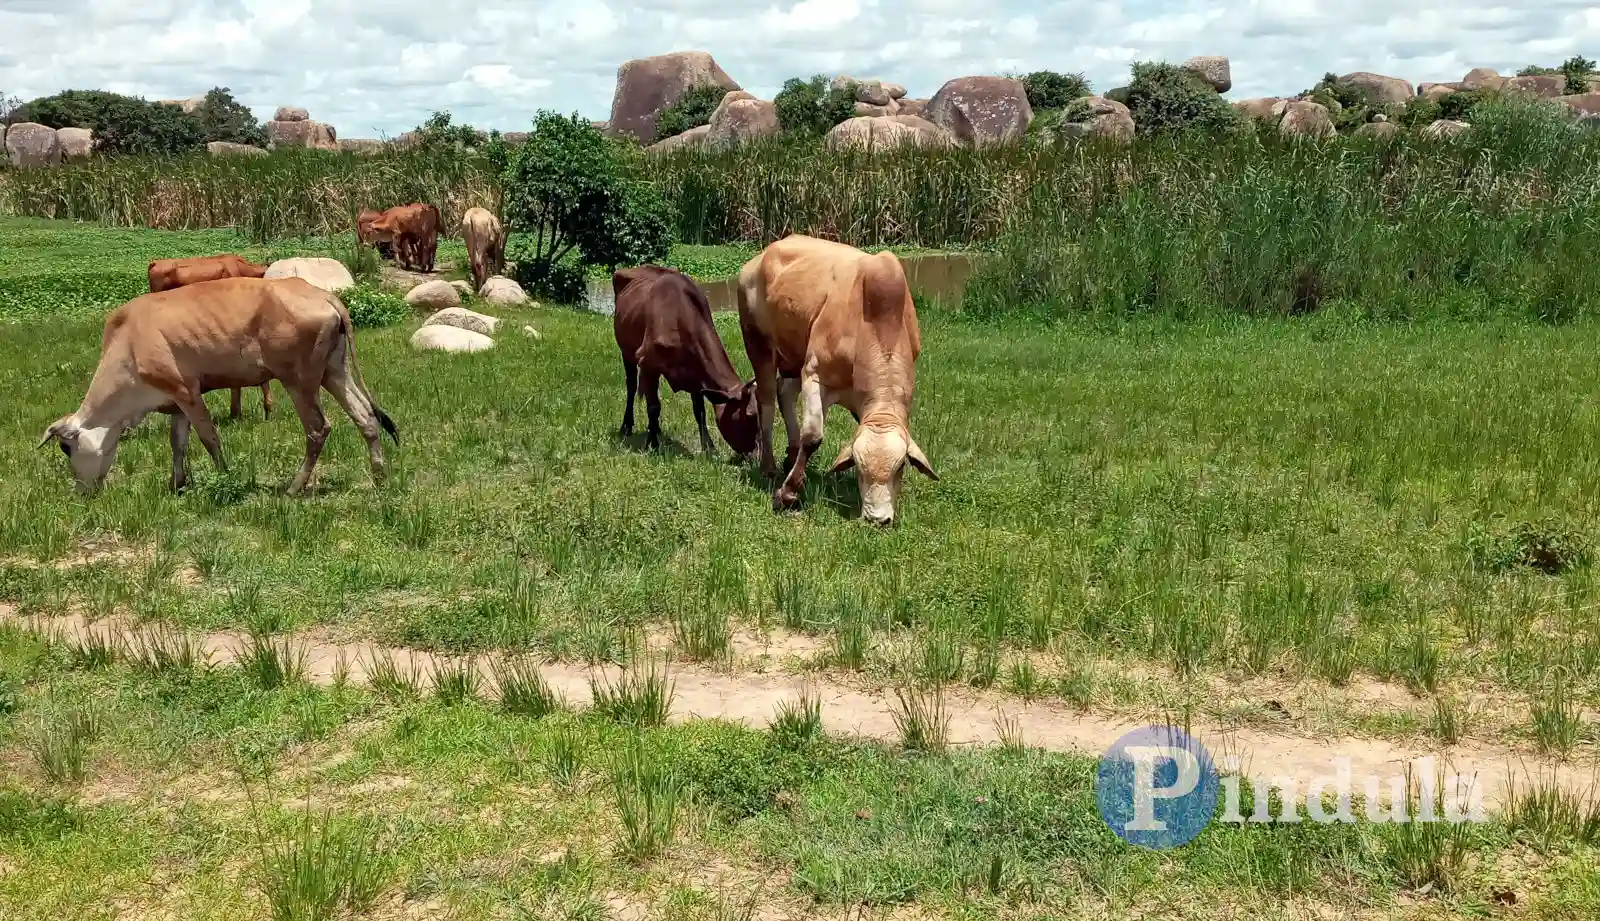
(880,459)
(90,451)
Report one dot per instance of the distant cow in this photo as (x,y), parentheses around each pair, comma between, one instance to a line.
(413,230)
(839,326)
(486,245)
(368,235)
(663,326)
(166,274)
(161,352)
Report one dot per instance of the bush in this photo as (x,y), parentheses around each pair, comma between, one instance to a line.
(1348,105)
(1166,97)
(1577,69)
(691,111)
(440,132)
(812,107)
(567,191)
(1048,90)
(222,118)
(370,307)
(121,124)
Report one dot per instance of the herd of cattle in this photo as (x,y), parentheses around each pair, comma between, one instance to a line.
(823,323)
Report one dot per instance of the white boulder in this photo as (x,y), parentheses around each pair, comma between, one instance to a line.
(449,339)
(327,274)
(434,295)
(462,318)
(503,292)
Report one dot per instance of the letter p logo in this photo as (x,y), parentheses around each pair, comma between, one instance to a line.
(1157,787)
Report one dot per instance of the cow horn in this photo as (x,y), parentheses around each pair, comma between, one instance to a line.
(845,460)
(53,433)
(920,461)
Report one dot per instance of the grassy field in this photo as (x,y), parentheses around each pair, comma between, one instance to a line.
(1326,527)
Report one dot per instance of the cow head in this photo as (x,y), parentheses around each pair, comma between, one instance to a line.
(91,452)
(367,226)
(880,455)
(737,418)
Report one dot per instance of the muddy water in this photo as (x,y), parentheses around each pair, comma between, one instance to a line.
(935,276)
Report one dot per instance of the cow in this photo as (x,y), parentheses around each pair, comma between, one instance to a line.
(413,230)
(161,352)
(366,234)
(838,326)
(664,329)
(166,274)
(486,245)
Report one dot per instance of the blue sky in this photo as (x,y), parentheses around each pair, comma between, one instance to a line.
(380,66)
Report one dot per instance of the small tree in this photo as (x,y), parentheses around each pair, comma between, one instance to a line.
(440,131)
(692,110)
(1577,69)
(1166,97)
(812,107)
(1048,90)
(568,197)
(223,118)
(8,108)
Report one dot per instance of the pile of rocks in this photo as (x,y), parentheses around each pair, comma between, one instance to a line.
(30,145)
(452,327)
(292,127)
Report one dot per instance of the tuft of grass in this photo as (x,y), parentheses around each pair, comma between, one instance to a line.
(648,796)
(455,681)
(270,663)
(32,819)
(1548,815)
(1449,719)
(943,657)
(388,679)
(564,755)
(920,717)
(702,632)
(93,650)
(1557,718)
(639,697)
(60,746)
(851,644)
(324,869)
(164,649)
(523,690)
(1426,855)
(798,723)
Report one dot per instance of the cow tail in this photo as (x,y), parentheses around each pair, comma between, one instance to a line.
(355,370)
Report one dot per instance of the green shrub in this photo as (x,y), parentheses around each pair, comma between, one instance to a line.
(568,194)
(810,108)
(691,111)
(1349,106)
(1577,69)
(440,132)
(223,118)
(121,124)
(1166,97)
(1049,90)
(370,307)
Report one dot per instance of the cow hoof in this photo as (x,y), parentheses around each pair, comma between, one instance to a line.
(785,501)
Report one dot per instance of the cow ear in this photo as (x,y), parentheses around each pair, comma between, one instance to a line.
(920,461)
(845,460)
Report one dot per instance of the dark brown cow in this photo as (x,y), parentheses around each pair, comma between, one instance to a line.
(663,326)
(166,274)
(413,230)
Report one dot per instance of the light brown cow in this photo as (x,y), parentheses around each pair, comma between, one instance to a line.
(162,352)
(166,274)
(412,231)
(486,245)
(838,326)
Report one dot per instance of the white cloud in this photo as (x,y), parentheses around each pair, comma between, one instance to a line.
(381,66)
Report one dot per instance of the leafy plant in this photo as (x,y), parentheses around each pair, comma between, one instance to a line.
(223,118)
(1165,97)
(371,307)
(810,108)
(693,109)
(31,819)
(440,131)
(1048,90)
(567,192)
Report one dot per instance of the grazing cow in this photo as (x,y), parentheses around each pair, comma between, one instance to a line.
(486,245)
(838,325)
(413,230)
(369,236)
(166,274)
(161,352)
(663,326)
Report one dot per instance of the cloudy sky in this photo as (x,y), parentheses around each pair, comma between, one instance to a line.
(378,67)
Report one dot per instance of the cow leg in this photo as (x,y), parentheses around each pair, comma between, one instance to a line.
(808,440)
(316,425)
(630,374)
(236,404)
(193,407)
(180,452)
(358,406)
(651,384)
(766,373)
(706,445)
(266,400)
(788,393)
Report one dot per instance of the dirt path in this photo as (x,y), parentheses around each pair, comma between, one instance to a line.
(975,718)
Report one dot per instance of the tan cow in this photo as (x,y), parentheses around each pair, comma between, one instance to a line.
(486,245)
(166,274)
(162,352)
(838,326)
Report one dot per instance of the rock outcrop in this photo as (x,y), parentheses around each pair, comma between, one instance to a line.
(1542,86)
(1381,89)
(981,110)
(743,119)
(29,145)
(1306,120)
(1212,68)
(647,86)
(76,143)
(230,149)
